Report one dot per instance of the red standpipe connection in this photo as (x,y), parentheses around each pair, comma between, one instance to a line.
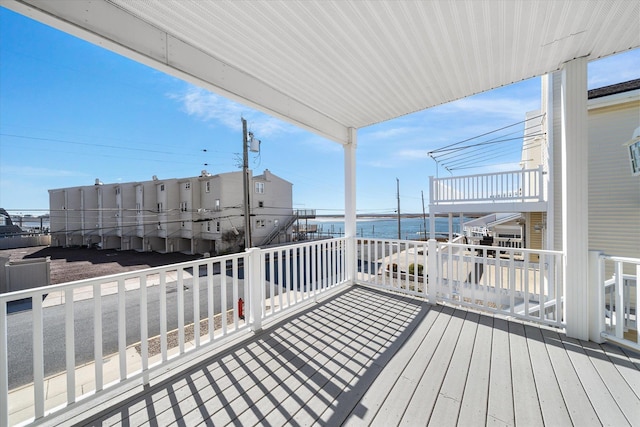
(240,309)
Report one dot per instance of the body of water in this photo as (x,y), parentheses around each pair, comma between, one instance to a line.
(385,228)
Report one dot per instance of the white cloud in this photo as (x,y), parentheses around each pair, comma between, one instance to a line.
(38,172)
(209,107)
(392,132)
(509,108)
(409,154)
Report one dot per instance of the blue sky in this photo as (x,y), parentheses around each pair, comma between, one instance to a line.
(71,112)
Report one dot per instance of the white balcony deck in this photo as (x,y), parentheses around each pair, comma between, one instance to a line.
(367,357)
(514,191)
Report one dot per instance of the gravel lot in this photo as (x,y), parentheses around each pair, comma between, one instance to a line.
(69,264)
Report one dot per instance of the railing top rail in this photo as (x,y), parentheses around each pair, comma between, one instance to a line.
(518,171)
(503,249)
(301,244)
(36,292)
(28,293)
(375,239)
(621,259)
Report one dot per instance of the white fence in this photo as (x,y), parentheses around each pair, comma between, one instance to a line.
(120,328)
(620,300)
(516,186)
(514,282)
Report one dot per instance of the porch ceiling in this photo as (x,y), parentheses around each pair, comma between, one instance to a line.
(329,66)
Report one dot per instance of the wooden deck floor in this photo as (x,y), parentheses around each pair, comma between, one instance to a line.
(365,357)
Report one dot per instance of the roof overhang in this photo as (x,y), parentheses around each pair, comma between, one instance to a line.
(331,66)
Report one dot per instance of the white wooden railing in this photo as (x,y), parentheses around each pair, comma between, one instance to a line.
(519,282)
(172,310)
(524,185)
(620,300)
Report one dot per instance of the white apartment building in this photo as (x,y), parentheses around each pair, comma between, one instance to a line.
(202,214)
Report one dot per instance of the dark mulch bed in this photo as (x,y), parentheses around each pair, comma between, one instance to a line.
(69,264)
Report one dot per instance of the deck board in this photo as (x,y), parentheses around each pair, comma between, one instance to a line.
(500,405)
(367,357)
(447,407)
(473,409)
(552,405)
(525,396)
(604,404)
(423,400)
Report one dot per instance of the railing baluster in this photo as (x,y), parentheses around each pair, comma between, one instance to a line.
(163,315)
(210,300)
(245,283)
(223,295)
(122,330)
(144,330)
(526,285)
(38,356)
(512,280)
(272,280)
(280,273)
(307,270)
(314,271)
(195,284)
(97,334)
(70,347)
(287,277)
(234,278)
(180,308)
(619,300)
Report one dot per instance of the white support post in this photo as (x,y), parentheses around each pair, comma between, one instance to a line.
(350,204)
(254,275)
(432,219)
(596,297)
(575,225)
(432,270)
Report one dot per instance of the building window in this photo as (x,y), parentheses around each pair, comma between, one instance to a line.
(117,190)
(182,224)
(207,186)
(161,187)
(260,187)
(160,207)
(260,223)
(187,186)
(138,208)
(261,204)
(217,226)
(217,206)
(208,225)
(183,206)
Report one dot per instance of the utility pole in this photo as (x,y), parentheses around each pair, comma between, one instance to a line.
(398,193)
(246,186)
(424,216)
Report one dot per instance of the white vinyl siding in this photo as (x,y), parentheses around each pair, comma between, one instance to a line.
(614,193)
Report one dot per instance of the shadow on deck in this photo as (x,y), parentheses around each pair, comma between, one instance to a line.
(365,356)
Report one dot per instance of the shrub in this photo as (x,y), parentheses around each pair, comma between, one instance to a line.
(412,269)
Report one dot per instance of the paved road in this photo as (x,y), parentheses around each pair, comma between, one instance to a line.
(20,340)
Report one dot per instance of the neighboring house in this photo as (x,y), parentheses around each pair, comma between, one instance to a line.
(524,208)
(201,214)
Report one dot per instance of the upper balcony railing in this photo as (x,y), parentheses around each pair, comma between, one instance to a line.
(524,185)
